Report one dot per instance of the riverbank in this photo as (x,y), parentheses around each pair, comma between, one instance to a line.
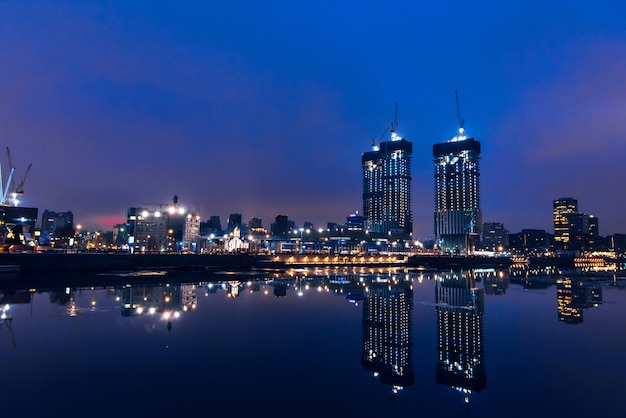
(58,262)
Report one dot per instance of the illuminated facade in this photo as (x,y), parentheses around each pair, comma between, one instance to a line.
(191,232)
(458,216)
(561,208)
(387,331)
(460,308)
(495,236)
(387,188)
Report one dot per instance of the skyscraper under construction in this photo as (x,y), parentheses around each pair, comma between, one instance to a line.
(458,216)
(387,188)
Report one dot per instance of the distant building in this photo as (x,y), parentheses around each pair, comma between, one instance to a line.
(495,236)
(147,229)
(573,230)
(57,224)
(561,208)
(281,226)
(234,220)
(529,241)
(387,188)
(354,222)
(582,232)
(212,226)
(191,232)
(618,243)
(150,229)
(255,223)
(255,226)
(458,215)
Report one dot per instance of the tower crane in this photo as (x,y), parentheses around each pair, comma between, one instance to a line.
(374,144)
(20,187)
(458,113)
(4,190)
(9,192)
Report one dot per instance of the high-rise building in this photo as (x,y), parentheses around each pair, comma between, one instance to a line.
(561,208)
(387,187)
(458,216)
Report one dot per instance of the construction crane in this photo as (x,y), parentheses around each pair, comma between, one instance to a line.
(374,144)
(9,192)
(458,113)
(20,187)
(4,190)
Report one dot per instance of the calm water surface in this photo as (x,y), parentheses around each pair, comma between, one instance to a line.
(388,343)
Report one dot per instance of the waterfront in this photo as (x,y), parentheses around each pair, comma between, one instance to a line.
(299,343)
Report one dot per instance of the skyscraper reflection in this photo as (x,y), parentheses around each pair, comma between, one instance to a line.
(387,332)
(460,308)
(572,298)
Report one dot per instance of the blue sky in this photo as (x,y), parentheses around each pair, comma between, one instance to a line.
(264,108)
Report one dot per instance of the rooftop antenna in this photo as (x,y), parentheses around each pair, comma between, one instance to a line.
(458,113)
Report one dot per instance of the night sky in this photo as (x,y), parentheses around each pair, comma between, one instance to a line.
(264,108)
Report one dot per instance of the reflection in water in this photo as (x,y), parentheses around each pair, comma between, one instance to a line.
(572,298)
(387,343)
(496,282)
(167,300)
(460,308)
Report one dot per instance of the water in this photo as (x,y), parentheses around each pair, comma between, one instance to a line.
(385,343)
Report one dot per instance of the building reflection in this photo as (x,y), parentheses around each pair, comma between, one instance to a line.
(387,332)
(460,308)
(573,297)
(496,282)
(168,301)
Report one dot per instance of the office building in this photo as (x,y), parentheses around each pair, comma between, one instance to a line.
(387,188)
(191,232)
(57,224)
(495,237)
(458,216)
(561,208)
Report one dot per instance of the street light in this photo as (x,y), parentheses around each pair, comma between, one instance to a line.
(301,232)
(147,243)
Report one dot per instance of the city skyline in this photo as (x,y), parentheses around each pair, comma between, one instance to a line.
(266,109)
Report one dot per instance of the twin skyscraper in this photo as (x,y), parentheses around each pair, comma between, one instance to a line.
(387,191)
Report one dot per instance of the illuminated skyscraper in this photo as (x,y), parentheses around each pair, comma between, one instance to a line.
(563,207)
(387,187)
(458,216)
